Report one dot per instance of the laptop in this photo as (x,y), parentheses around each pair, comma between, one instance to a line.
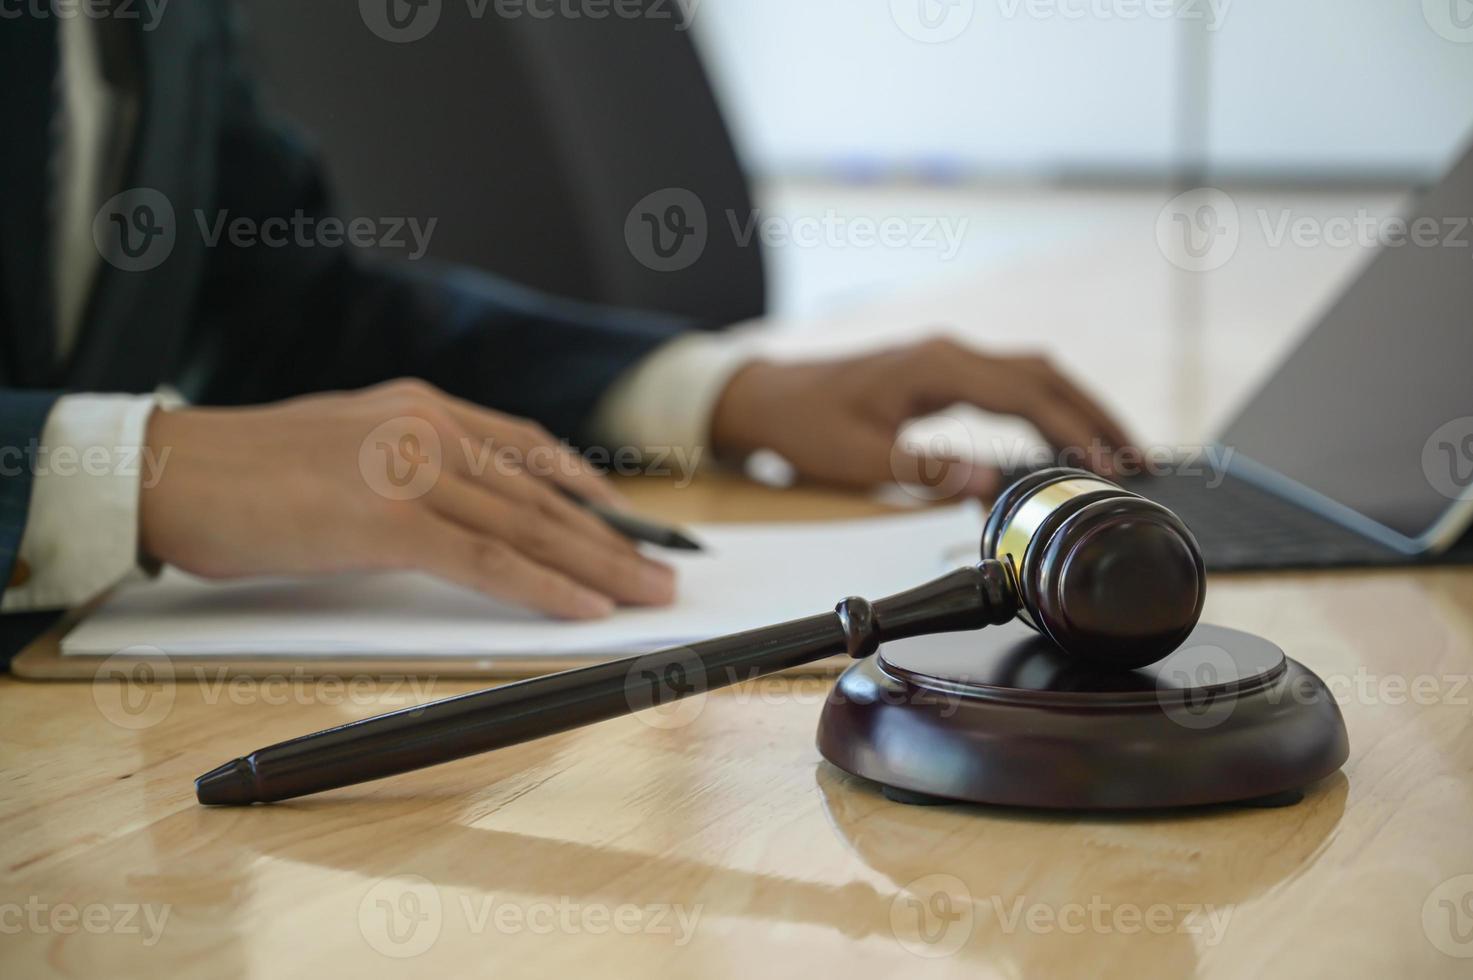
(1358,451)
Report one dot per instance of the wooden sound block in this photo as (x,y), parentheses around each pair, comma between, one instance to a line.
(1003,716)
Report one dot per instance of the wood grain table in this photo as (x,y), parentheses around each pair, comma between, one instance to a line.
(717,843)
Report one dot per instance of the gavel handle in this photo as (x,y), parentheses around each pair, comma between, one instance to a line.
(442,731)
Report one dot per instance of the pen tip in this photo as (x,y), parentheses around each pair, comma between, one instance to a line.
(684,542)
(233,784)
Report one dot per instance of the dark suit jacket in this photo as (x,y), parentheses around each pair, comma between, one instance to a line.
(230,325)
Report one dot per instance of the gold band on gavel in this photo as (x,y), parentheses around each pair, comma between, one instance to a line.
(1017,535)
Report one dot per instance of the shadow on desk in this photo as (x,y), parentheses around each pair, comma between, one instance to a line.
(1001,860)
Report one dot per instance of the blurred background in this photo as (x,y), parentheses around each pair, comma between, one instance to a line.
(832,164)
(1058,97)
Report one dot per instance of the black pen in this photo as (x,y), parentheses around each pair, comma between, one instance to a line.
(637,528)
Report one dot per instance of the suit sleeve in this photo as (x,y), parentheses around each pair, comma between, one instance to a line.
(273,322)
(22,418)
(81,533)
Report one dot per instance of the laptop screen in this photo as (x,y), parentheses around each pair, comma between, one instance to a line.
(1374,410)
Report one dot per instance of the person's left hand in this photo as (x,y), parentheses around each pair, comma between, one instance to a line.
(838,421)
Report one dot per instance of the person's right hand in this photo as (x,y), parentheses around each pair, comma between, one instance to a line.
(840,421)
(401,476)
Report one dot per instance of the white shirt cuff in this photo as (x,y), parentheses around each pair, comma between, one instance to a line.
(81,531)
(663,405)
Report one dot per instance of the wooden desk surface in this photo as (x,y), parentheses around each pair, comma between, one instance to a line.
(726,847)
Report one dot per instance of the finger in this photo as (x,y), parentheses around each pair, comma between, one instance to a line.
(621,573)
(987,385)
(449,551)
(509,480)
(863,455)
(1111,431)
(1060,424)
(1030,388)
(540,453)
(942,476)
(503,473)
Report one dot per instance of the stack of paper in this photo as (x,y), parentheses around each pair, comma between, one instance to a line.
(751,575)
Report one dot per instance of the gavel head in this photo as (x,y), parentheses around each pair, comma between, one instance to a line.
(1105,573)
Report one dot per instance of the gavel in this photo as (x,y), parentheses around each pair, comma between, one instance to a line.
(1106,574)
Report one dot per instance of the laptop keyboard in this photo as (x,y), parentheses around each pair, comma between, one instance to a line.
(1241,527)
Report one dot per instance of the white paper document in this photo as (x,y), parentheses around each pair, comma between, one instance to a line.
(751,575)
